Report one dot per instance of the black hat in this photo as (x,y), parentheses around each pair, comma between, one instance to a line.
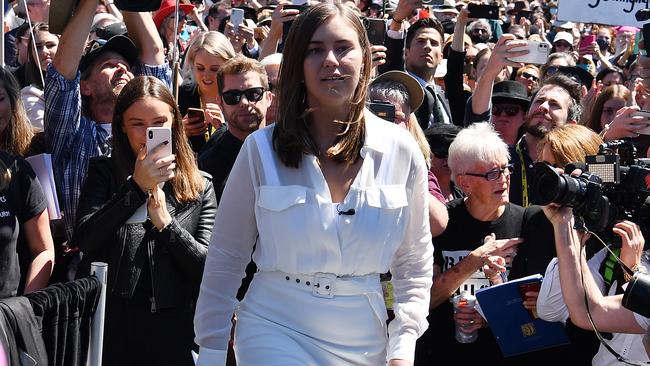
(578,74)
(509,91)
(119,44)
(440,136)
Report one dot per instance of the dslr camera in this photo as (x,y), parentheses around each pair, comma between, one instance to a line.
(614,186)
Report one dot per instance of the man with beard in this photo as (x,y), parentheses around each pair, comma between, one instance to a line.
(244,98)
(503,103)
(80,94)
(480,31)
(556,103)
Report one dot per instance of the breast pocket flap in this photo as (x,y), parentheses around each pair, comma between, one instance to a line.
(393,196)
(280,198)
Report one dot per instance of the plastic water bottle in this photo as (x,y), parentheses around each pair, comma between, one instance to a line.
(465,299)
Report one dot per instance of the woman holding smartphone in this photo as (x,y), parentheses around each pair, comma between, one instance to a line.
(154,268)
(333,196)
(206,54)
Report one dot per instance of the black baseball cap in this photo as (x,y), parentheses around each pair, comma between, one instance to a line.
(119,44)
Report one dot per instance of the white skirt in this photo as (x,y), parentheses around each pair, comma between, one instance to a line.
(284,320)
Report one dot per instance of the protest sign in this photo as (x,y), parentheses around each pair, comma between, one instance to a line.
(613,12)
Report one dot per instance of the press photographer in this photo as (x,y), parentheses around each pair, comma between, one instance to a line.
(581,198)
(561,146)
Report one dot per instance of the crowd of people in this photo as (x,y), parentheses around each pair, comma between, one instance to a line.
(329,186)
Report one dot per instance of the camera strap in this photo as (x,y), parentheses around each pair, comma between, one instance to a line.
(524,180)
(605,344)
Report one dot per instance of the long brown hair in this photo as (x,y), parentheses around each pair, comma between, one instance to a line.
(18,135)
(188,183)
(32,68)
(291,138)
(613,91)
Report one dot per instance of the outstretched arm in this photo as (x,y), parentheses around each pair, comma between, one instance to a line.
(73,39)
(143,32)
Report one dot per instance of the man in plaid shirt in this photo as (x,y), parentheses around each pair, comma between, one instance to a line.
(80,94)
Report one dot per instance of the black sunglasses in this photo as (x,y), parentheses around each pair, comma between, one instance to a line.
(529,76)
(233,97)
(509,110)
(272,87)
(493,174)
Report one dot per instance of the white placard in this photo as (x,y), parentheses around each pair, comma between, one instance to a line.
(612,12)
(42,165)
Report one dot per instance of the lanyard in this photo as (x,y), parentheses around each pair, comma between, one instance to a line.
(524,181)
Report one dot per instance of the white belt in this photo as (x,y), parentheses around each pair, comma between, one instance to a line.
(325,285)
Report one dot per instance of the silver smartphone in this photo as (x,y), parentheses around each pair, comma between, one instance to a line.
(157,136)
(537,53)
(237,17)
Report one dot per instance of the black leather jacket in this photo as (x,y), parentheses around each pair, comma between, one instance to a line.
(175,257)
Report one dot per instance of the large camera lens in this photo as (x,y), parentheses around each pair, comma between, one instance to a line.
(551,187)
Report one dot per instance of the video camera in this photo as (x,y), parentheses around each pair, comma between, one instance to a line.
(614,185)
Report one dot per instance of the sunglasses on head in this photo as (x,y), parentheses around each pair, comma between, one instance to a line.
(509,110)
(233,97)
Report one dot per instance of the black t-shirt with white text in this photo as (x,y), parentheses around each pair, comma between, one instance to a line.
(21,201)
(463,234)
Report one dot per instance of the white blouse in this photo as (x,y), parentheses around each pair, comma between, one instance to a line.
(291,211)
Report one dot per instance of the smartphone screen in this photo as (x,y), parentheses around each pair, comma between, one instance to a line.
(376,30)
(196,113)
(237,17)
(478,11)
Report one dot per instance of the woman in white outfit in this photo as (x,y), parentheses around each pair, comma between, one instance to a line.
(333,196)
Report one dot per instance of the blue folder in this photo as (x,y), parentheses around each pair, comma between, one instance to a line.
(512,325)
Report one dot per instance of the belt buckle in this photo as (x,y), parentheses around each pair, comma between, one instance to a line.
(323,285)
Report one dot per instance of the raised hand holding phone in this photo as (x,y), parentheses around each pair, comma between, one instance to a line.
(155,162)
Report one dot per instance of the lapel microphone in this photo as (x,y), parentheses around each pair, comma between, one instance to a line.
(349,212)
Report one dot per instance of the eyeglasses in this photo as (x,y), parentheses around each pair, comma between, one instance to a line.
(529,76)
(233,97)
(479,30)
(493,174)
(272,87)
(509,110)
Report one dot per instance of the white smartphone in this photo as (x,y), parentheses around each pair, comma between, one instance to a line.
(537,53)
(157,136)
(237,17)
(645,114)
